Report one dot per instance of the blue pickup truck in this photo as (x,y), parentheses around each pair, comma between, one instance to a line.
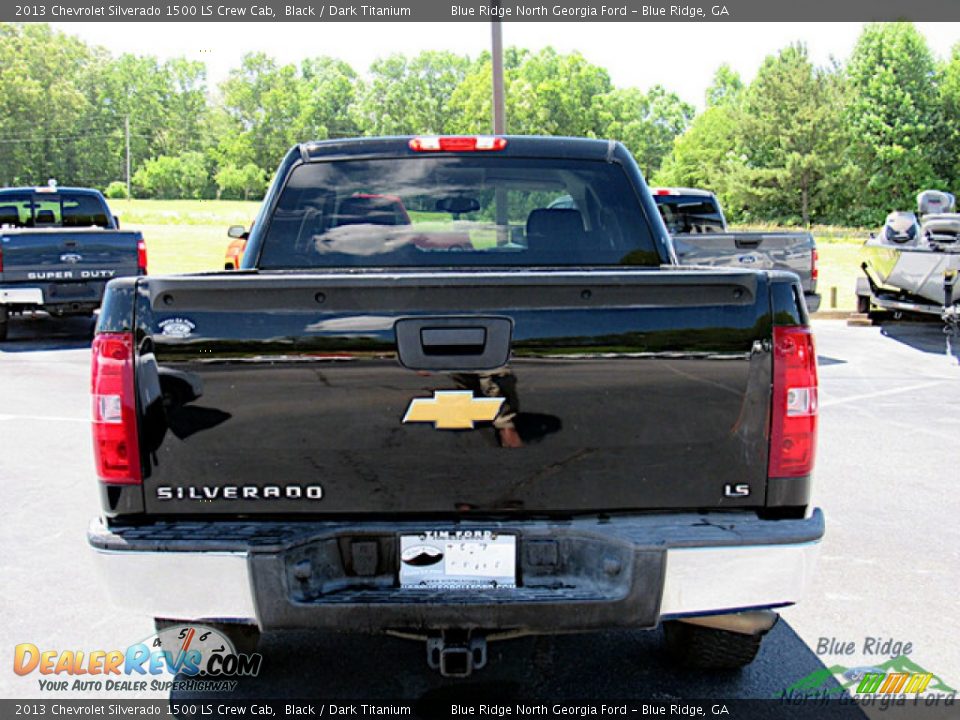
(58,249)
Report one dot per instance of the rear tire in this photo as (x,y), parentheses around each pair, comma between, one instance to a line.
(4,323)
(706,648)
(863,304)
(244,636)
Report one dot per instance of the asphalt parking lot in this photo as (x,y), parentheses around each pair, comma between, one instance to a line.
(886,479)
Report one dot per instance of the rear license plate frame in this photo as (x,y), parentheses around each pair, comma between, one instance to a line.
(458,560)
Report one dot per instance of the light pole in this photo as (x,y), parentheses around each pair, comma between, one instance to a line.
(499,105)
(499,124)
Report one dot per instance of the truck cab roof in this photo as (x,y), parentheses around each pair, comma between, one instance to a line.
(516,146)
(52,189)
(681,191)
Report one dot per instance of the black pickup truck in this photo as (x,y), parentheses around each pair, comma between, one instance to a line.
(429,404)
(58,249)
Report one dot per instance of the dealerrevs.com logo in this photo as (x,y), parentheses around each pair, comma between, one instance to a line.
(200,657)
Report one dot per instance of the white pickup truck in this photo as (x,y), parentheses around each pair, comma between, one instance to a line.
(699,230)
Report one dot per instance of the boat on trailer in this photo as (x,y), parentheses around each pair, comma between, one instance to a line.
(912,264)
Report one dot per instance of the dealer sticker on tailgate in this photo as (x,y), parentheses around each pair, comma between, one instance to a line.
(473,559)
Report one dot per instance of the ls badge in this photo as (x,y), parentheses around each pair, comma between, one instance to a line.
(452,410)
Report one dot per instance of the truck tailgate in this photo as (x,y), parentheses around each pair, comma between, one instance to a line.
(790,251)
(288,393)
(61,255)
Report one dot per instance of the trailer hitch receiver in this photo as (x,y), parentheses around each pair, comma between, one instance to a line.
(456,654)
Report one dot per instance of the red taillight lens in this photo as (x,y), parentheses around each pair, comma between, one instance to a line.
(473,143)
(793,434)
(814,270)
(142,257)
(116,450)
(1,259)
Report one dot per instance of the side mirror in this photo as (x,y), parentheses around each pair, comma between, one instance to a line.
(116,221)
(237,232)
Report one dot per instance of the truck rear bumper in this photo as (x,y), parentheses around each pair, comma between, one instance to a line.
(574,575)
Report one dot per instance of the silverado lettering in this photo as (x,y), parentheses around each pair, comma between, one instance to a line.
(526,419)
(242,492)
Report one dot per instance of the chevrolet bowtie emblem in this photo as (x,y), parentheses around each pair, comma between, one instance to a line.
(453,410)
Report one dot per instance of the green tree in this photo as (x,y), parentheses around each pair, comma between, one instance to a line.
(646,123)
(240,182)
(267,108)
(547,93)
(116,190)
(892,117)
(949,131)
(554,94)
(331,89)
(165,102)
(790,136)
(411,96)
(725,87)
(471,104)
(708,155)
(166,177)
(44,104)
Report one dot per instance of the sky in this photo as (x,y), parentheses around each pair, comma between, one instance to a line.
(680,56)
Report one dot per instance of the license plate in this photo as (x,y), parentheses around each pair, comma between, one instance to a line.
(24,296)
(458,559)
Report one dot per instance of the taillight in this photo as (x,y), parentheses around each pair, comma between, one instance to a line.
(468,143)
(1,259)
(814,270)
(142,257)
(793,433)
(115,447)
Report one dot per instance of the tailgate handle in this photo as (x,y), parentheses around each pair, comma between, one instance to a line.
(454,343)
(744,243)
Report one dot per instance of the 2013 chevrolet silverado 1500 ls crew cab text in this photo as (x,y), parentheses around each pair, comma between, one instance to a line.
(58,249)
(369,428)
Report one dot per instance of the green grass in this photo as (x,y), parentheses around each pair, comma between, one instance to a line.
(184,248)
(824,233)
(185,212)
(191,236)
(839,268)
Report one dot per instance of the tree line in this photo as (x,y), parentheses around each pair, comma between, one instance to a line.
(798,144)
(843,144)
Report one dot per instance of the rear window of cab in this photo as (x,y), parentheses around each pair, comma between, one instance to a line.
(457,211)
(45,209)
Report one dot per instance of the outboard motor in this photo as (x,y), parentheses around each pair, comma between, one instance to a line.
(901,228)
